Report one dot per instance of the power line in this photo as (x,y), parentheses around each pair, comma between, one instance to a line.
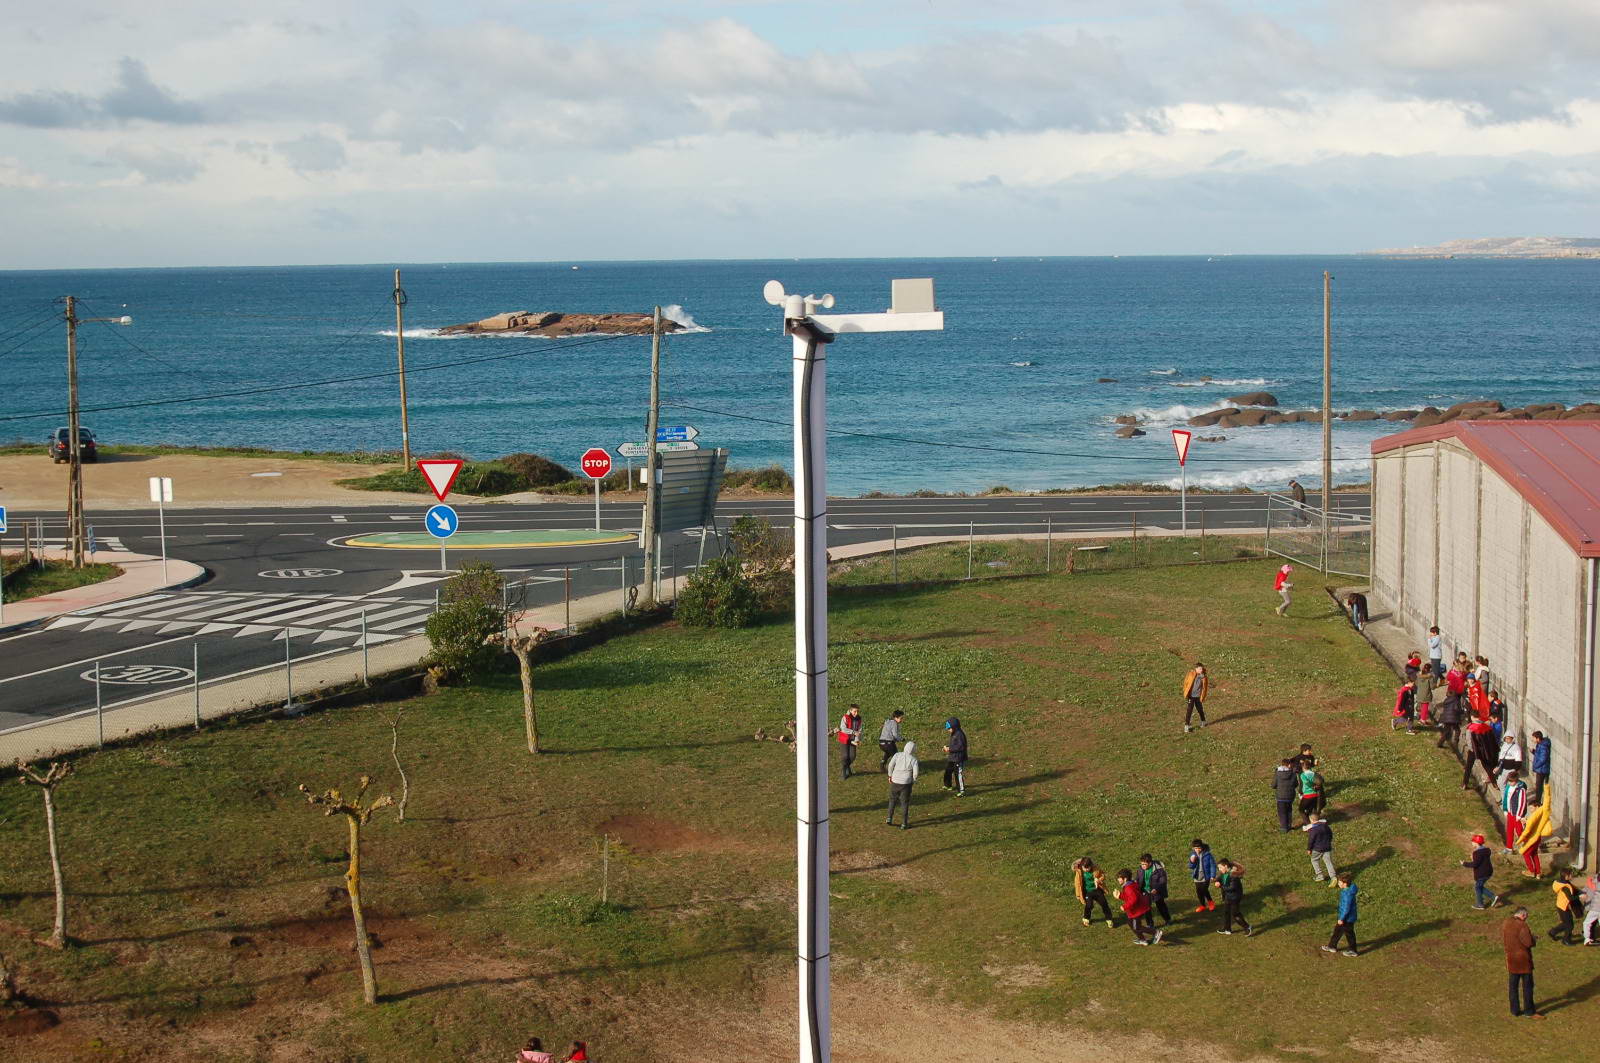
(243,392)
(942,443)
(12,328)
(115,330)
(27,337)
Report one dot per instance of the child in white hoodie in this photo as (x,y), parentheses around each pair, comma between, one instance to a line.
(903,771)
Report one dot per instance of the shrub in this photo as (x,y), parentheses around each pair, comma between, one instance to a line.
(470,613)
(768,558)
(771,478)
(719,594)
(537,471)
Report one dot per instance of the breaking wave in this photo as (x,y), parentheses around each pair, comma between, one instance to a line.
(1252,382)
(681,316)
(1308,471)
(1164,372)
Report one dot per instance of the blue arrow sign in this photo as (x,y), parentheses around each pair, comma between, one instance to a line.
(2,518)
(676,433)
(442,522)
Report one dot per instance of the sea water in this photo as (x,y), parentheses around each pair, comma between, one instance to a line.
(1009,393)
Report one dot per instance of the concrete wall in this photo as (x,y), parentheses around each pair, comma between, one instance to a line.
(1455,544)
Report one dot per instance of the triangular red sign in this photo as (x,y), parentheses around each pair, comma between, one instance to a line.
(440,473)
(1180,439)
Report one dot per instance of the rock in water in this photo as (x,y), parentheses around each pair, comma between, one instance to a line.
(1127,431)
(1206,420)
(1254,398)
(552,323)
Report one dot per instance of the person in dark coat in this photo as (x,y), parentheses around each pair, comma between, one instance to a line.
(1481,860)
(1152,877)
(1449,722)
(1285,791)
(1481,749)
(1518,941)
(1230,878)
(1541,766)
(955,756)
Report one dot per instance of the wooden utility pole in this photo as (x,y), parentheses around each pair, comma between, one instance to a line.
(74,458)
(1327,409)
(400,355)
(651,496)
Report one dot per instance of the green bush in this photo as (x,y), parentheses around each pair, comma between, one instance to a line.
(771,478)
(536,471)
(470,612)
(768,557)
(719,594)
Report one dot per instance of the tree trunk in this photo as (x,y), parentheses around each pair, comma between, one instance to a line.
(352,882)
(8,985)
(394,751)
(529,718)
(58,939)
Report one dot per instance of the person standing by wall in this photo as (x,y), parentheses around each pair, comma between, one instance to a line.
(1345,922)
(1319,846)
(1481,861)
(1436,652)
(1284,790)
(1196,685)
(889,737)
(1566,895)
(1518,941)
(1089,886)
(1591,911)
(1285,588)
(1510,754)
(955,756)
(849,737)
(903,771)
(1203,870)
(1449,723)
(1541,766)
(1514,805)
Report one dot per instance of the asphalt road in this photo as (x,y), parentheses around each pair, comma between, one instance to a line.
(285,576)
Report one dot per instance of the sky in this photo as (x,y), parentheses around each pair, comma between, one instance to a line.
(188,132)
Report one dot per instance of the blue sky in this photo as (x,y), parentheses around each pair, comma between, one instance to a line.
(187,132)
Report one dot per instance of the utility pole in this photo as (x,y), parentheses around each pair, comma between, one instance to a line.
(652,423)
(400,354)
(1327,409)
(74,459)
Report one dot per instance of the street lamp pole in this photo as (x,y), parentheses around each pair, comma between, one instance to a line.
(912,310)
(75,523)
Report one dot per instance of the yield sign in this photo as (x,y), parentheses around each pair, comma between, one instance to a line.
(441,474)
(1180,440)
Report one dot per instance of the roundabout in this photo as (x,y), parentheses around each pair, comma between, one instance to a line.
(501,539)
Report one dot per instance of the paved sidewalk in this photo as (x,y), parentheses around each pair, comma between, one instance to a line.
(141,574)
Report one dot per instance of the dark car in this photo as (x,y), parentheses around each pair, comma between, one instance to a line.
(61,445)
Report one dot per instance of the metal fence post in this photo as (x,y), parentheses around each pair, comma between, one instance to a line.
(99,711)
(197,684)
(969,550)
(1135,560)
(894,553)
(624,585)
(436,599)
(288,668)
(1047,527)
(1202,533)
(366,678)
(674,571)
(1266,542)
(566,597)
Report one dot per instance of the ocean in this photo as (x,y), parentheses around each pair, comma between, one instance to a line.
(1007,394)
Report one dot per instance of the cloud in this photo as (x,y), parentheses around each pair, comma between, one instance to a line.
(156,165)
(134,98)
(312,153)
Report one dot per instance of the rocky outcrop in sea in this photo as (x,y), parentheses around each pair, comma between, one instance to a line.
(554,323)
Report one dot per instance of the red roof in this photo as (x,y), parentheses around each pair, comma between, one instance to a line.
(1555,465)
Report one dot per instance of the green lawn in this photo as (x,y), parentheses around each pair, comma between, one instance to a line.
(31,581)
(202,880)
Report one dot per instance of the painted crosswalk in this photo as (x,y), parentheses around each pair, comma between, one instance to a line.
(329,618)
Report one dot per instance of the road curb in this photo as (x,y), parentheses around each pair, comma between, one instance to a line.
(199,575)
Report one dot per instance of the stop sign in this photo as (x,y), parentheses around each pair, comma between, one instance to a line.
(596,463)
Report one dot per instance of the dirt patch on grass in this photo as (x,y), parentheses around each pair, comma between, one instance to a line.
(647,834)
(869,863)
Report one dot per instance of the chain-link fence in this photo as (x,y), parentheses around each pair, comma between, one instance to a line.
(1337,542)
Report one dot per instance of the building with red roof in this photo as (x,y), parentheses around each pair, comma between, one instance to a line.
(1491,530)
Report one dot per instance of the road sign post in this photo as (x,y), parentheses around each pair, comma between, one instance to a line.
(3,563)
(160,494)
(442,521)
(596,465)
(1180,440)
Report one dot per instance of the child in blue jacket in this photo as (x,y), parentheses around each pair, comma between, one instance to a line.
(1345,927)
(1203,869)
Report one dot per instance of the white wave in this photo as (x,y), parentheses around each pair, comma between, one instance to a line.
(1170,414)
(681,316)
(1164,372)
(1023,365)
(1308,471)
(1252,382)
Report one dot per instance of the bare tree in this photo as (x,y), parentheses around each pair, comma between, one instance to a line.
(47,783)
(332,802)
(522,646)
(394,751)
(8,984)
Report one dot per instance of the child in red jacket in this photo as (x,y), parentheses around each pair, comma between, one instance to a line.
(1405,707)
(1136,906)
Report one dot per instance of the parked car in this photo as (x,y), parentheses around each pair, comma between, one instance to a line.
(61,445)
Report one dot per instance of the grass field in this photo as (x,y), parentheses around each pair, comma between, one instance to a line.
(30,581)
(204,888)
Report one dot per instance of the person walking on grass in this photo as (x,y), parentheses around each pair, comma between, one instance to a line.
(1285,588)
(1518,940)
(1480,750)
(1309,787)
(955,757)
(1203,870)
(1566,905)
(1449,723)
(1319,846)
(1136,906)
(1284,790)
(1540,765)
(849,737)
(1089,885)
(1153,880)
(1514,806)
(1481,861)
(903,771)
(1345,923)
(889,738)
(1195,687)
(1230,880)
(1405,707)
(1591,911)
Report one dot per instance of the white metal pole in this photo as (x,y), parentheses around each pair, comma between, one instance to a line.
(99,711)
(366,678)
(597,505)
(811,692)
(197,684)
(288,669)
(161,515)
(444,566)
(1184,495)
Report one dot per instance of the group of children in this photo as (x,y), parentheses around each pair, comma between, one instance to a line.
(1142,893)
(533,1052)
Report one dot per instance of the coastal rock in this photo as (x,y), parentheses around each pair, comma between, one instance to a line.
(1128,431)
(1245,419)
(1400,415)
(1506,415)
(1106,380)
(1587,411)
(1361,415)
(1206,420)
(552,323)
(1473,409)
(1211,439)
(1427,417)
(1280,418)
(1125,418)
(1253,398)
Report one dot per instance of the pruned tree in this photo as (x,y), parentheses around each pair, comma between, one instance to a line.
(333,803)
(394,751)
(522,646)
(47,781)
(8,984)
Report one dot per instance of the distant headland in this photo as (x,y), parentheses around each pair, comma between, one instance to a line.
(1502,247)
